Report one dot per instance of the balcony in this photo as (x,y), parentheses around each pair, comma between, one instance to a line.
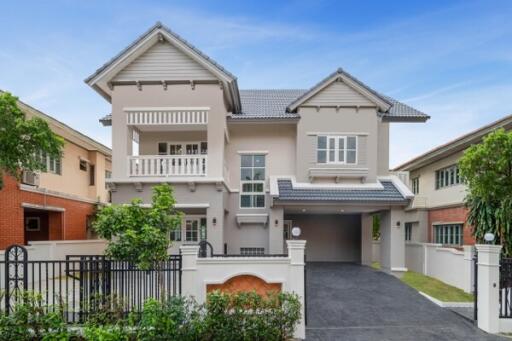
(156,119)
(167,165)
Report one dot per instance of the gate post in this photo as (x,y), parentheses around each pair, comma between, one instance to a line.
(190,287)
(488,287)
(296,252)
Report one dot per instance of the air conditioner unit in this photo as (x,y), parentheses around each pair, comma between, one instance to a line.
(30,178)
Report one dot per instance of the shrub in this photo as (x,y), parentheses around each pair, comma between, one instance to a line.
(32,319)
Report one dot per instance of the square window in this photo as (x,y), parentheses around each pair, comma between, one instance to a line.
(245,201)
(259,200)
(259,161)
(246,161)
(351,156)
(32,224)
(162,148)
(247,187)
(246,174)
(259,174)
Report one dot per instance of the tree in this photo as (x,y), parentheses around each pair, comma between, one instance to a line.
(23,141)
(486,168)
(137,233)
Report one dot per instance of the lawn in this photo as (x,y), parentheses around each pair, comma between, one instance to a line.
(433,287)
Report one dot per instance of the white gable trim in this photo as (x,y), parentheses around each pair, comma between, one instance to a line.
(337,76)
(136,51)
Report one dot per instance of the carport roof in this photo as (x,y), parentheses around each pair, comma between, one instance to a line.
(387,194)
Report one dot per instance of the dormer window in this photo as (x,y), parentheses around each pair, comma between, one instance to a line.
(337,149)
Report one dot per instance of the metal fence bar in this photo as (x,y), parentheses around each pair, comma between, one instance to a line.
(81,284)
(505,292)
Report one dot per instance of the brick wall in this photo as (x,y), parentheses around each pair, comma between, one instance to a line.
(450,215)
(68,225)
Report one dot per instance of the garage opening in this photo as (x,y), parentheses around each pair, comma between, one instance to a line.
(42,225)
(329,237)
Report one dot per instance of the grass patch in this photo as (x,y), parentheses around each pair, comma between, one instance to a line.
(433,287)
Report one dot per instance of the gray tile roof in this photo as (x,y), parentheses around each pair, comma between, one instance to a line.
(389,194)
(272,104)
(269,103)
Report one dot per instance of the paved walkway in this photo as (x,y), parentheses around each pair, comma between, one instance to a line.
(357,303)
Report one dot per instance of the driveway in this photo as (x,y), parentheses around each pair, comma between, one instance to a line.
(357,303)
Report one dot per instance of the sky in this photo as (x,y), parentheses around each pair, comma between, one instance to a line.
(449,59)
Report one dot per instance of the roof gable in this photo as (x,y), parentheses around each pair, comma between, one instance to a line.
(338,93)
(158,33)
(164,61)
(351,82)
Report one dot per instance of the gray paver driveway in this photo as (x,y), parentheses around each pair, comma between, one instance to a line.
(352,302)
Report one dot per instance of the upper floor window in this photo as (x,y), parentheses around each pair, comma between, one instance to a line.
(51,165)
(448,176)
(337,149)
(408,232)
(415,184)
(448,234)
(185,148)
(108,175)
(92,175)
(252,181)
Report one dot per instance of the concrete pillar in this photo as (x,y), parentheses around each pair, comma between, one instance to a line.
(469,252)
(296,250)
(189,282)
(215,233)
(392,242)
(275,231)
(488,287)
(366,239)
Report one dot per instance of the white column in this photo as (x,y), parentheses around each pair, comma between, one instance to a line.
(468,268)
(366,239)
(189,280)
(275,231)
(488,287)
(296,249)
(392,242)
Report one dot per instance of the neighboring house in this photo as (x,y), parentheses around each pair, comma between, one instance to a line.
(437,214)
(56,204)
(247,165)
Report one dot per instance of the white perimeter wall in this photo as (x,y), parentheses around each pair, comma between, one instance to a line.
(452,266)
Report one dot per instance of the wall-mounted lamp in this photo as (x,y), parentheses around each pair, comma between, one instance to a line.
(214,221)
(397,224)
(276,222)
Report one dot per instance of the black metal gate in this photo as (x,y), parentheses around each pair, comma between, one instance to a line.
(80,284)
(505,296)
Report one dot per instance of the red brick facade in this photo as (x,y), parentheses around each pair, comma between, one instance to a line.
(69,224)
(450,215)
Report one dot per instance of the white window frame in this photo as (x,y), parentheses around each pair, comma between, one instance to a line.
(262,182)
(445,174)
(337,150)
(51,164)
(415,185)
(37,219)
(447,234)
(182,229)
(408,231)
(252,251)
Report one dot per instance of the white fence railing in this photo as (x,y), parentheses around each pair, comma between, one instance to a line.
(167,117)
(167,165)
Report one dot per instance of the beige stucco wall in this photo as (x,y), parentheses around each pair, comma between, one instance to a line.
(203,95)
(446,196)
(363,123)
(276,141)
(75,181)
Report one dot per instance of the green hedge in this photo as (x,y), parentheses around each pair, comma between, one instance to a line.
(230,317)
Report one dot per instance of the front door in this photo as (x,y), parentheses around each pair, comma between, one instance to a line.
(287,234)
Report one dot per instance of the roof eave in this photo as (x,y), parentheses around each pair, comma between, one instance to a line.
(405,119)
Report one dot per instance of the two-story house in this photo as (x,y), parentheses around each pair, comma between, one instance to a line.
(247,165)
(56,204)
(438,214)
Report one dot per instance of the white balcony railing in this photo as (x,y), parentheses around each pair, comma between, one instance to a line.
(167,116)
(167,165)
